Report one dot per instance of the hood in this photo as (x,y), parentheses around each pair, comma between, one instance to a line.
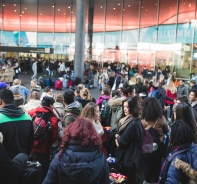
(115,102)
(82,165)
(194,104)
(58,105)
(12,111)
(105,97)
(43,109)
(74,107)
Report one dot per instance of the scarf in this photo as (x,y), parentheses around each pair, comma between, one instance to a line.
(124,122)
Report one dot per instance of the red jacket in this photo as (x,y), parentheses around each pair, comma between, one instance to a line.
(173,96)
(44,147)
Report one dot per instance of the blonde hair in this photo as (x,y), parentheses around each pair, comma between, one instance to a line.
(171,87)
(81,86)
(16,82)
(84,93)
(89,111)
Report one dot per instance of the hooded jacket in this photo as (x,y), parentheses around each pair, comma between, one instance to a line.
(44,148)
(78,165)
(74,108)
(83,101)
(99,101)
(116,111)
(17,129)
(182,90)
(31,104)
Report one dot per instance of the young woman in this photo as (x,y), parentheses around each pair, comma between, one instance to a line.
(91,111)
(152,117)
(129,140)
(85,97)
(80,159)
(48,91)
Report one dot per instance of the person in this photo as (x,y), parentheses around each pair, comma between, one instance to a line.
(33,85)
(10,71)
(182,139)
(80,155)
(16,69)
(18,98)
(11,169)
(111,79)
(91,111)
(182,88)
(129,140)
(41,152)
(15,125)
(193,99)
(152,116)
(34,69)
(187,114)
(72,108)
(48,91)
(144,72)
(85,97)
(171,92)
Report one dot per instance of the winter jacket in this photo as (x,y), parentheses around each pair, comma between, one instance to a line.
(74,108)
(176,176)
(161,127)
(111,81)
(182,90)
(171,95)
(34,67)
(99,101)
(17,129)
(11,170)
(130,143)
(11,73)
(31,104)
(78,165)
(45,94)
(44,148)
(24,92)
(116,111)
(162,96)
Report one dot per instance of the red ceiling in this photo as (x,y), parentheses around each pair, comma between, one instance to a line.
(65,14)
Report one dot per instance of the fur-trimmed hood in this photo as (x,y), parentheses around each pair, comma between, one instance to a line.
(115,102)
(187,169)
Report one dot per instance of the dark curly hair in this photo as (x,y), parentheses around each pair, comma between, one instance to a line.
(151,109)
(81,130)
(181,133)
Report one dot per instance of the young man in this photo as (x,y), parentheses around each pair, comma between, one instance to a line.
(34,69)
(72,108)
(182,88)
(193,99)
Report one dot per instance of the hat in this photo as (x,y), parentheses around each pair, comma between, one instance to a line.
(15,89)
(3,85)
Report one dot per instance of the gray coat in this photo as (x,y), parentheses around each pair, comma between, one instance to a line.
(182,90)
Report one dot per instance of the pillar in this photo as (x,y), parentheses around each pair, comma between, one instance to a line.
(80,38)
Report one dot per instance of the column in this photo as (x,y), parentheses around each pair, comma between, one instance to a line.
(80,38)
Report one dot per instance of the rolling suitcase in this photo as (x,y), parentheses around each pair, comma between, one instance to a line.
(58,84)
(65,83)
(70,83)
(48,82)
(42,83)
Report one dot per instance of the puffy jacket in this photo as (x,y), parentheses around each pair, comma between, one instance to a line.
(171,95)
(176,176)
(44,148)
(100,100)
(182,90)
(78,165)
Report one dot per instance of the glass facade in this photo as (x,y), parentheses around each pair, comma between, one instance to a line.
(144,32)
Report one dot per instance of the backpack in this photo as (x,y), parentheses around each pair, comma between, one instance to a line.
(105,109)
(42,128)
(151,141)
(61,123)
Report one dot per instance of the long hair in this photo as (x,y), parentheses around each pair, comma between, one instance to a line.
(151,109)
(181,133)
(84,93)
(134,105)
(81,130)
(89,111)
(186,113)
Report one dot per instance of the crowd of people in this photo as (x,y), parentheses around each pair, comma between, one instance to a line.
(151,118)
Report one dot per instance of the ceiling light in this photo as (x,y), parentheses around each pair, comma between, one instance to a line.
(21,15)
(129,5)
(23,12)
(183,3)
(14,4)
(71,12)
(15,10)
(3,4)
(146,10)
(170,7)
(41,14)
(69,7)
(190,4)
(58,10)
(114,8)
(123,9)
(156,4)
(145,14)
(101,7)
(25,8)
(142,6)
(53,6)
(119,4)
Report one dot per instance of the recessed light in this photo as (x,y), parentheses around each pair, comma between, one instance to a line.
(142,7)
(114,8)
(53,6)
(3,4)
(146,10)
(156,4)
(69,7)
(25,8)
(71,12)
(170,7)
(58,10)
(21,15)
(190,4)
(101,7)
(41,14)
(14,4)
(23,12)
(15,10)
(129,5)
(119,4)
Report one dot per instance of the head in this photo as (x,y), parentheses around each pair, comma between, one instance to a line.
(106,91)
(193,96)
(181,133)
(47,101)
(33,83)
(182,99)
(85,94)
(192,83)
(16,82)
(115,93)
(80,86)
(185,112)
(59,98)
(151,109)
(132,107)
(3,85)
(35,95)
(69,96)
(181,82)
(6,97)
(83,132)
(48,90)
(128,91)
(91,111)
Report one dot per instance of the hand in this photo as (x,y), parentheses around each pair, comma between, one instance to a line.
(117,135)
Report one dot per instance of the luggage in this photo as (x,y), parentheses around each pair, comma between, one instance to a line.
(42,83)
(65,83)
(54,81)
(48,82)
(73,88)
(58,84)
(91,82)
(70,83)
